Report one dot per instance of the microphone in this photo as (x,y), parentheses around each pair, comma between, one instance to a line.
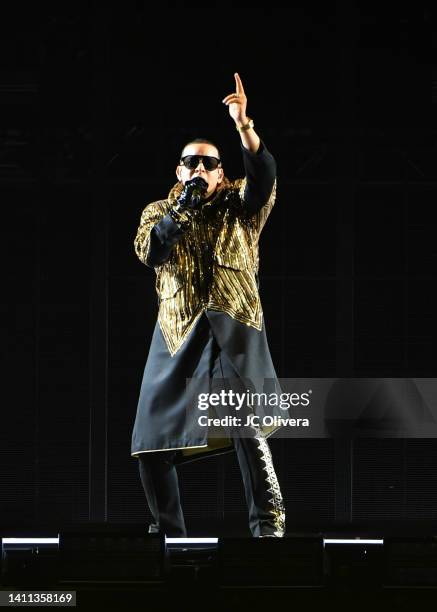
(199,188)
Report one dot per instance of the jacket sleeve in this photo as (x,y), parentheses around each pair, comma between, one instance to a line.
(157,234)
(260,169)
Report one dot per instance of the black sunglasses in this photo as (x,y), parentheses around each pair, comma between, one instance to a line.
(192,161)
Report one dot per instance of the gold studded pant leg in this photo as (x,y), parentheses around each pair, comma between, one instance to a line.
(263,495)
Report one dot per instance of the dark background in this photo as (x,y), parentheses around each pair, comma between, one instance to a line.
(95,104)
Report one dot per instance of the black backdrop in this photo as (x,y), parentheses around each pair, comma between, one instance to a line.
(95,105)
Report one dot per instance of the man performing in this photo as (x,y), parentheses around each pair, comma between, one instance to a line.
(203,244)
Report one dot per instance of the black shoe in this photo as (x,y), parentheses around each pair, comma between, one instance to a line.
(153,528)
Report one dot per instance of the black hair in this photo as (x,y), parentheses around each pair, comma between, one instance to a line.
(200,141)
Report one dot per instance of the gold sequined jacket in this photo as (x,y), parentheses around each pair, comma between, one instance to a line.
(209,260)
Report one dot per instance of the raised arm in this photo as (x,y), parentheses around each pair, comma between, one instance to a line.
(237,104)
(259,163)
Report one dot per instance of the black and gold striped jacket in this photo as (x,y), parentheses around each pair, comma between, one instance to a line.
(210,259)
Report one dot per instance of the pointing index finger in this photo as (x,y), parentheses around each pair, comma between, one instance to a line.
(238,84)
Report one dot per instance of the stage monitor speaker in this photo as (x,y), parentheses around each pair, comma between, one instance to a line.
(111,553)
(262,562)
(29,566)
(354,565)
(410,561)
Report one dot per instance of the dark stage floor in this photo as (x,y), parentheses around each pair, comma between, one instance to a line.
(122,567)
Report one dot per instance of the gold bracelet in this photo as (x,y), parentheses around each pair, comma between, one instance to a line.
(248,126)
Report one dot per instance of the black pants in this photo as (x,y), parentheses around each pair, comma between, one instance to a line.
(266,513)
(158,471)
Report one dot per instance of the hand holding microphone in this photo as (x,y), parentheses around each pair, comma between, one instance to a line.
(193,193)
